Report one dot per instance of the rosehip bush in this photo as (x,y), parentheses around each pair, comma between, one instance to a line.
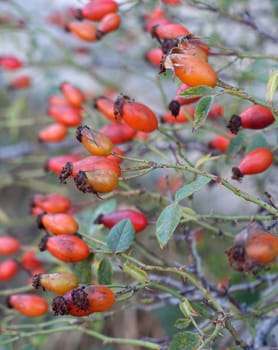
(138,175)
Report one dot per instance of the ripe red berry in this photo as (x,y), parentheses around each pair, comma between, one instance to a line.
(95,10)
(73,95)
(56,282)
(56,163)
(30,262)
(83,30)
(169,31)
(138,220)
(118,132)
(30,305)
(68,248)
(84,301)
(20,82)
(65,114)
(9,62)
(184,115)
(8,245)
(154,56)
(95,142)
(136,115)
(107,24)
(51,203)
(105,105)
(221,142)
(262,247)
(254,162)
(55,132)
(58,224)
(8,269)
(253,117)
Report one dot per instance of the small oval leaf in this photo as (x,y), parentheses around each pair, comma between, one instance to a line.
(272,85)
(196,91)
(190,188)
(121,236)
(202,110)
(185,341)
(104,273)
(167,222)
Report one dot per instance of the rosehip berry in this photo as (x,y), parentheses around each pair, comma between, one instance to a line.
(83,30)
(8,245)
(95,10)
(138,220)
(184,115)
(84,301)
(65,114)
(8,269)
(20,82)
(154,56)
(57,282)
(118,132)
(97,181)
(253,117)
(105,105)
(107,24)
(56,163)
(95,142)
(51,203)
(221,142)
(55,132)
(10,62)
(169,31)
(254,162)
(58,224)
(262,247)
(30,262)
(136,115)
(73,95)
(30,305)
(68,248)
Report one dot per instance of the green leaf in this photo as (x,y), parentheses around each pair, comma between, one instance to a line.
(104,273)
(182,323)
(258,141)
(83,270)
(192,187)
(271,85)
(184,341)
(202,110)
(200,90)
(167,222)
(121,236)
(201,309)
(236,143)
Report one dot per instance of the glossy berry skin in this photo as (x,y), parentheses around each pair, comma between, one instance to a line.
(30,305)
(95,10)
(66,115)
(9,245)
(118,132)
(84,301)
(8,269)
(254,162)
(97,181)
(56,163)
(58,224)
(169,31)
(138,220)
(154,56)
(137,115)
(193,71)
(114,156)
(88,164)
(56,282)
(10,62)
(107,24)
(262,247)
(55,132)
(95,142)
(68,248)
(105,105)
(51,203)
(73,95)
(253,117)
(30,262)
(83,30)
(221,142)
